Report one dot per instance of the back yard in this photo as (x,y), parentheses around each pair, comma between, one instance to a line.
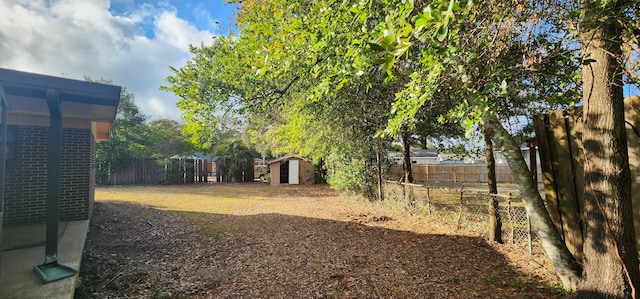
(255,240)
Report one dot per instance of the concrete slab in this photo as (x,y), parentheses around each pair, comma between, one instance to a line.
(25,249)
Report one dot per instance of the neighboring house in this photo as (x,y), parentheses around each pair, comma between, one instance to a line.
(431,157)
(291,170)
(210,165)
(461,159)
(50,126)
(471,158)
(423,156)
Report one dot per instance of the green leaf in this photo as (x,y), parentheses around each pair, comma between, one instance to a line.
(420,22)
(297,22)
(388,38)
(503,88)
(401,50)
(376,47)
(442,32)
(434,12)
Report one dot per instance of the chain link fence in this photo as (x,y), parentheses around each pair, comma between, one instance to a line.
(466,210)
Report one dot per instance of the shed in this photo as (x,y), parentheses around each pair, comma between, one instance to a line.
(292,170)
(47,168)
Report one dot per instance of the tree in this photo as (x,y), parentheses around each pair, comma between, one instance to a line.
(495,222)
(286,73)
(166,138)
(608,212)
(608,216)
(361,71)
(478,49)
(236,161)
(128,140)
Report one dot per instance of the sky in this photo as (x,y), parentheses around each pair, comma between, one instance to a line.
(131,42)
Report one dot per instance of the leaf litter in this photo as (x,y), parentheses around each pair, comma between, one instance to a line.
(260,241)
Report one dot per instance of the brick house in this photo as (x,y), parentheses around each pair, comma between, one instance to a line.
(49,128)
(87,110)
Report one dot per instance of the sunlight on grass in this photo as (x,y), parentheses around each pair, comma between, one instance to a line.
(248,199)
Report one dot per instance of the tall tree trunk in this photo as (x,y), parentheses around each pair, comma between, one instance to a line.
(424,142)
(406,156)
(495,223)
(565,264)
(611,266)
(379,172)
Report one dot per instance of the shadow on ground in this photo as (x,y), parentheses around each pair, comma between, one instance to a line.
(139,251)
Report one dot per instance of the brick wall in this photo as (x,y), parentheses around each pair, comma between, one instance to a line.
(26,175)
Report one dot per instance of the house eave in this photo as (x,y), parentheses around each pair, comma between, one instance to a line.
(26,94)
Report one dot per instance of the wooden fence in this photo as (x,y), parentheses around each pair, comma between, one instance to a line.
(453,173)
(147,171)
(559,138)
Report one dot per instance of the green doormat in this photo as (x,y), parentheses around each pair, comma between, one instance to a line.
(53,271)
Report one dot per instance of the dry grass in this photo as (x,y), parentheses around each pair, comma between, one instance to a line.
(255,240)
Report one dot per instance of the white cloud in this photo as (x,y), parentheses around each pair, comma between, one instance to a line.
(178,32)
(158,107)
(83,38)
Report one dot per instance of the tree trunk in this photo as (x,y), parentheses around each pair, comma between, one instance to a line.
(379,173)
(611,266)
(495,223)
(406,157)
(424,142)
(565,264)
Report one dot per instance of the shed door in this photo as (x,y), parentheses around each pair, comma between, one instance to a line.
(294,167)
(284,172)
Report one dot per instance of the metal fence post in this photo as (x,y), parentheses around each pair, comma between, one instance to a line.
(428,201)
(461,207)
(529,231)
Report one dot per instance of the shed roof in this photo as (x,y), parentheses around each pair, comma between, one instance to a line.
(287,158)
(27,95)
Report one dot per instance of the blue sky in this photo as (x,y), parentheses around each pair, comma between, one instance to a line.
(213,15)
(132,42)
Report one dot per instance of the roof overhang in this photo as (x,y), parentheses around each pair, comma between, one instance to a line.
(26,94)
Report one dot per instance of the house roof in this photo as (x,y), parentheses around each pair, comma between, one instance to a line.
(184,157)
(424,153)
(287,158)
(27,95)
(202,155)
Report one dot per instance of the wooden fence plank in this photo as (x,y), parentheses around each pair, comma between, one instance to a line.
(632,117)
(550,191)
(564,176)
(574,131)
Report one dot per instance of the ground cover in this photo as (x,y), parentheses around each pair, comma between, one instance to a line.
(255,240)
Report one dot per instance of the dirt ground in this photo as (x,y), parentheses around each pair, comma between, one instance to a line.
(260,241)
